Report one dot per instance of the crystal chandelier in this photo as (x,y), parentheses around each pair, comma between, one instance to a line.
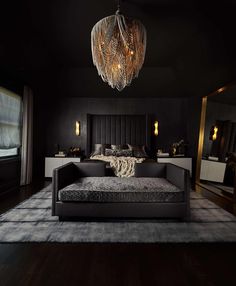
(118,49)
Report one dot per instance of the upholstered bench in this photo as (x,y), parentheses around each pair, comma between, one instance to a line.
(157,190)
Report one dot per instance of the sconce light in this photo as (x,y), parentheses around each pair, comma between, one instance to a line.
(220,89)
(77,128)
(156,131)
(213,133)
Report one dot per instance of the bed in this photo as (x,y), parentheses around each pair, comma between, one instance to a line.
(119,140)
(118,130)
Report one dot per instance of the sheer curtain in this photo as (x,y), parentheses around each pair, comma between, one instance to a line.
(10,121)
(27,137)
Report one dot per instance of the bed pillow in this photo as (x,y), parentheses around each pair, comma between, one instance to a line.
(118,153)
(99,149)
(110,152)
(119,147)
(125,153)
(138,151)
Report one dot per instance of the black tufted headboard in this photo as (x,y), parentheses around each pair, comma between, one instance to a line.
(118,129)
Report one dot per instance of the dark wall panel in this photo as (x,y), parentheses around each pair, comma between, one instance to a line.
(178,119)
(9,174)
(117,129)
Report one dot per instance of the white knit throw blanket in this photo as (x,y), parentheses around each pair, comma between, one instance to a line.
(122,166)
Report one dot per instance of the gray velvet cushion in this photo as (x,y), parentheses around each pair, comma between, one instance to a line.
(110,152)
(139,151)
(119,147)
(125,153)
(118,153)
(115,189)
(99,149)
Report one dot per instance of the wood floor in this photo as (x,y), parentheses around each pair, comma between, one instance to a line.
(217,196)
(113,264)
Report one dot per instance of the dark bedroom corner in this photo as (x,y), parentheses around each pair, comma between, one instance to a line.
(117,143)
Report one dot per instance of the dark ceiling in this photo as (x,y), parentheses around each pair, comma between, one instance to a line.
(191,48)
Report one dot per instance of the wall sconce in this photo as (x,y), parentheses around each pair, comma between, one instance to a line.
(221,90)
(213,133)
(156,131)
(77,128)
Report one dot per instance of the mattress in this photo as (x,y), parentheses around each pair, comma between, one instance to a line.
(115,189)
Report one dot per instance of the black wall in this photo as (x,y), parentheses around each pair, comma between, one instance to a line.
(9,174)
(216,111)
(61,98)
(55,121)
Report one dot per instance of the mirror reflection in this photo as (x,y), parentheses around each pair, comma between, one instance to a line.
(218,164)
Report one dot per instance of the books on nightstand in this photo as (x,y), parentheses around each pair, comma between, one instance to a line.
(179,155)
(212,158)
(163,154)
(60,154)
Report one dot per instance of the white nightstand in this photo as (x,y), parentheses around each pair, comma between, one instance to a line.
(213,171)
(54,162)
(184,162)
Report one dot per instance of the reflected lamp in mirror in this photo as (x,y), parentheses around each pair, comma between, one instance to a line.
(156,128)
(77,128)
(213,133)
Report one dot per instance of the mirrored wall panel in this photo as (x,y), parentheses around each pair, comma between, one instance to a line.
(218,164)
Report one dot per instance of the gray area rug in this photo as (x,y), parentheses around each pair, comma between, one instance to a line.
(31,221)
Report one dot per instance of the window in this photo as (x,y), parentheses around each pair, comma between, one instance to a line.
(10,122)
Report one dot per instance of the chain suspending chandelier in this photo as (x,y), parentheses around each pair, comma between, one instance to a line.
(118,49)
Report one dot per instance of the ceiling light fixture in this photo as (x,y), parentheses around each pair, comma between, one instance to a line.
(118,49)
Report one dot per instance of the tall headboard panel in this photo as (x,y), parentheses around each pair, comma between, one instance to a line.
(118,129)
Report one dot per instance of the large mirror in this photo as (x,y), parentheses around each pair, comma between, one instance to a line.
(217,161)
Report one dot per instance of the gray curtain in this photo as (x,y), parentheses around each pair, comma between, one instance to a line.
(27,137)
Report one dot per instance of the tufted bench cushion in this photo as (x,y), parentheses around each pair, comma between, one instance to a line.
(115,189)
